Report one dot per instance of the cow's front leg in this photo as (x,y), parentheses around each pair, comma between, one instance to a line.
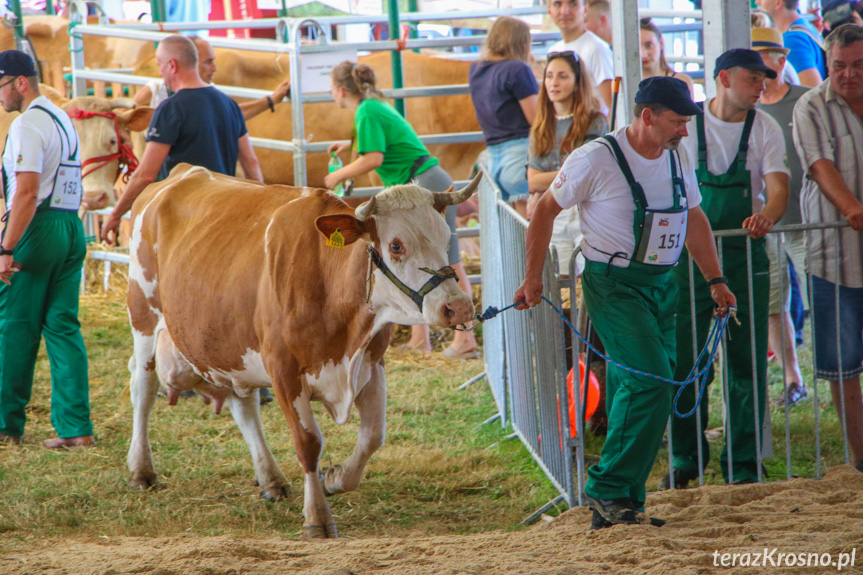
(371,404)
(247,413)
(294,399)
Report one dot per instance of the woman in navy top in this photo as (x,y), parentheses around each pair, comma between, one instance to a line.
(504,93)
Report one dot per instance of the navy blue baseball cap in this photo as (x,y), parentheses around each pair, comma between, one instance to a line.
(673,93)
(743,57)
(16,63)
(836,11)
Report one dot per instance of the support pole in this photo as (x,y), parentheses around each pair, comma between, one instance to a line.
(627,55)
(157,10)
(726,25)
(15,8)
(394,32)
(49,7)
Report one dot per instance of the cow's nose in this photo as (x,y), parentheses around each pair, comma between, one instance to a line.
(458,311)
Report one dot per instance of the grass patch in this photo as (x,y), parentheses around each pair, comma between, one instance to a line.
(437,473)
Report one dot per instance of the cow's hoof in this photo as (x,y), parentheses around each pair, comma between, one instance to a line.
(320,531)
(144,482)
(328,479)
(278,493)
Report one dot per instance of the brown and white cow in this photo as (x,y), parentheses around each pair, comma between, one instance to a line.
(235,286)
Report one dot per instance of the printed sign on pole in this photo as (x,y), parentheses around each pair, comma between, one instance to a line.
(315,74)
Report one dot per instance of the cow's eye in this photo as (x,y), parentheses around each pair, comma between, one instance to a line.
(113,141)
(396,248)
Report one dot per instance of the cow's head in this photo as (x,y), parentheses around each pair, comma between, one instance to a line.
(404,225)
(103,127)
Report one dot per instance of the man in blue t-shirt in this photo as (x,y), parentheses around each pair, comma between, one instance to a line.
(198,125)
(806,51)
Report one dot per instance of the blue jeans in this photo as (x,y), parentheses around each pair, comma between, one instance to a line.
(509,168)
(850,329)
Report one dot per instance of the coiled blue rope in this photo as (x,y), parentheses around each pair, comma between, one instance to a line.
(697,376)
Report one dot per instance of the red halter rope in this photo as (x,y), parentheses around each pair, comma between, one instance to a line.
(124,152)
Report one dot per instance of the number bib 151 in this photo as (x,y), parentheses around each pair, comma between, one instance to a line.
(663,236)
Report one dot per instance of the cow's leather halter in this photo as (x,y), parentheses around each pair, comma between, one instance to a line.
(417,296)
(124,153)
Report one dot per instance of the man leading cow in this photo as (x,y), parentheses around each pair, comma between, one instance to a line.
(639,202)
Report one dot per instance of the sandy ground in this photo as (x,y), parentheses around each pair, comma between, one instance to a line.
(792,517)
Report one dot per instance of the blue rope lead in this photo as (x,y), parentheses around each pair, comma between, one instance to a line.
(696,376)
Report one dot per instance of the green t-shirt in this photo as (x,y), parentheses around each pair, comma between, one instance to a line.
(380,128)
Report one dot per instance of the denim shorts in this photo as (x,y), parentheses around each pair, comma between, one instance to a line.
(850,329)
(508,168)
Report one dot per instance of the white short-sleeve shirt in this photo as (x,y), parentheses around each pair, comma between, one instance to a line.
(34,145)
(766,149)
(591,178)
(594,52)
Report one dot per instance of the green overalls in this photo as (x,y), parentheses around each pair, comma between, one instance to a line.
(726,200)
(632,310)
(43,300)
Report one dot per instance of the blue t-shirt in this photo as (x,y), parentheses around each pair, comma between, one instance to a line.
(496,88)
(805,52)
(202,126)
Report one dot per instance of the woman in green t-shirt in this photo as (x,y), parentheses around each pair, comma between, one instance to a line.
(387,143)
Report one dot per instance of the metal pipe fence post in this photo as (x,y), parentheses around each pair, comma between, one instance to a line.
(77,14)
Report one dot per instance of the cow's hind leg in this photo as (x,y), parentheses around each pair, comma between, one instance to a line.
(247,413)
(144,386)
(371,404)
(294,399)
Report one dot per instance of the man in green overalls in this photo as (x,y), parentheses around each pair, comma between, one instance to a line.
(741,159)
(639,203)
(41,254)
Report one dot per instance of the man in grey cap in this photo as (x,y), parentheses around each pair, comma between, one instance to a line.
(41,252)
(743,177)
(639,203)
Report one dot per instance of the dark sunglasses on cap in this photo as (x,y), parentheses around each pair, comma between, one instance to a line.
(569,55)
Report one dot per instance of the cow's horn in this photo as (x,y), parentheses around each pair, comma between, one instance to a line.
(127,103)
(442,199)
(365,209)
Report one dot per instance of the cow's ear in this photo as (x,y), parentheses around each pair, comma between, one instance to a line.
(135,120)
(350,228)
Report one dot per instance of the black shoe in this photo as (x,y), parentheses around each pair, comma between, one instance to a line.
(859,466)
(617,511)
(747,481)
(681,479)
(599,522)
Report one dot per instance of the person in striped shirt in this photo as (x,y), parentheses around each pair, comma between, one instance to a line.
(828,136)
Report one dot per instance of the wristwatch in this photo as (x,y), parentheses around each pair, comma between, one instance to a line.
(717,280)
(5,252)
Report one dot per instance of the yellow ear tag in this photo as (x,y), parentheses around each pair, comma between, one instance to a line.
(336,240)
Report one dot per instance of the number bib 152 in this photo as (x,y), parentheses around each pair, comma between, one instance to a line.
(67,188)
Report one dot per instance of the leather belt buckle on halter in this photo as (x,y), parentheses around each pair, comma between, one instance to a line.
(417,296)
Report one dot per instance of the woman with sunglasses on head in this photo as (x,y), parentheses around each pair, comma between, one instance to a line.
(503,90)
(387,143)
(653,62)
(568,115)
